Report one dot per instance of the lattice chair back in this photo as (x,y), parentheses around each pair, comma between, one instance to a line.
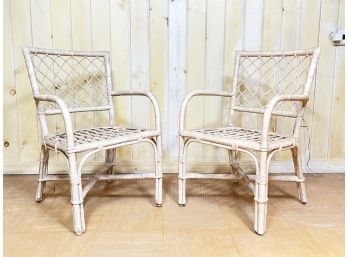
(81,79)
(260,76)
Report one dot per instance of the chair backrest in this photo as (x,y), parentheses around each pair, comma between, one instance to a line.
(260,76)
(81,79)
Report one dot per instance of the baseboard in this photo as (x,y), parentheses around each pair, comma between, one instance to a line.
(316,166)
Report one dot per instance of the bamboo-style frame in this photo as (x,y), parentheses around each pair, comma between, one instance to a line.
(250,145)
(73,145)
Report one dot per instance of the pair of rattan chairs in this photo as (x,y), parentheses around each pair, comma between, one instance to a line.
(265,83)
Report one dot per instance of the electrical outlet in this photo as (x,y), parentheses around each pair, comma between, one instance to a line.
(338,37)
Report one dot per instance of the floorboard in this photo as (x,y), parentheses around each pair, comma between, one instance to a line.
(122,220)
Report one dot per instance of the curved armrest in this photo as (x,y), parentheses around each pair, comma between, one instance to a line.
(149,95)
(65,112)
(197,93)
(269,109)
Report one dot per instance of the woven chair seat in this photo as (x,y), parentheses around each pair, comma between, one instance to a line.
(66,82)
(98,137)
(270,84)
(239,137)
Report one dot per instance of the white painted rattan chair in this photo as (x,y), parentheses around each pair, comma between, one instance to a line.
(65,82)
(266,83)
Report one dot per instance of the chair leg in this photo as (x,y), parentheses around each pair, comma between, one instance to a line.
(181,177)
(232,161)
(158,159)
(109,158)
(76,196)
(299,173)
(43,167)
(261,195)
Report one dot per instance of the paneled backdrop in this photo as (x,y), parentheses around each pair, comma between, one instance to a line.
(172,47)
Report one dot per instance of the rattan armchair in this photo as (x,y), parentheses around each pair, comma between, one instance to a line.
(66,82)
(265,83)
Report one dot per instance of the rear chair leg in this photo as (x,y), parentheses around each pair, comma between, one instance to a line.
(76,196)
(159,176)
(299,173)
(232,156)
(43,167)
(109,158)
(181,182)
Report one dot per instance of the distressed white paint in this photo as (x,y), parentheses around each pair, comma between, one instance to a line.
(140,71)
(166,52)
(177,72)
(120,50)
(214,69)
(252,40)
(10,128)
(196,34)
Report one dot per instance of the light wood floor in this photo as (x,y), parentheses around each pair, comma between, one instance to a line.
(122,220)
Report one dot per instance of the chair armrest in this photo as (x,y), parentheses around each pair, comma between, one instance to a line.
(197,93)
(269,109)
(65,112)
(149,95)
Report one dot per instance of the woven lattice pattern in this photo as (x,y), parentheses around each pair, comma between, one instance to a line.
(239,137)
(78,80)
(98,135)
(239,133)
(260,78)
(267,83)
(65,82)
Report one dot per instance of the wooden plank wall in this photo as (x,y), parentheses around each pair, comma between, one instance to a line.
(172,48)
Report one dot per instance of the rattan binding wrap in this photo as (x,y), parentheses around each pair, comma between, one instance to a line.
(267,83)
(65,82)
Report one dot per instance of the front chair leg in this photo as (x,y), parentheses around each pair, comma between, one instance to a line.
(261,195)
(181,177)
(76,196)
(44,156)
(299,173)
(159,176)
